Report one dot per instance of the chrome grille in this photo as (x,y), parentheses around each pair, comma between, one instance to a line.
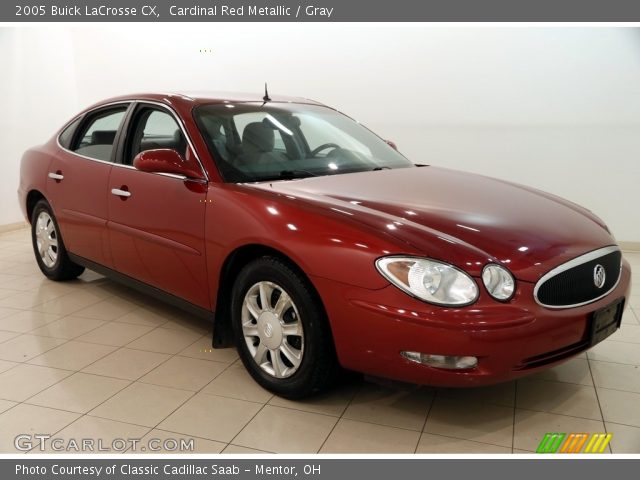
(574,283)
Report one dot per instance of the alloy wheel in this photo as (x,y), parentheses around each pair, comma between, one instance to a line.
(46,239)
(272,329)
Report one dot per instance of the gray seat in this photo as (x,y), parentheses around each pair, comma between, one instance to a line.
(258,141)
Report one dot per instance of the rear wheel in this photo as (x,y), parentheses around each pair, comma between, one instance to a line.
(282,333)
(48,246)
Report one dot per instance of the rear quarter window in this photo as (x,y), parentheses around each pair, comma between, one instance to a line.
(66,136)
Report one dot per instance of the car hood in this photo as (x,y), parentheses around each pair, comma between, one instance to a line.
(462,218)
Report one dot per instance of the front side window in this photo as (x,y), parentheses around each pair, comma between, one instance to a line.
(255,142)
(153,129)
(99,133)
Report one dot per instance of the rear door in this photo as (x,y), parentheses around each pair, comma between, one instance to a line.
(156,221)
(78,178)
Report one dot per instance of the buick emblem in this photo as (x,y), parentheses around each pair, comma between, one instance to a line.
(599,276)
(268,330)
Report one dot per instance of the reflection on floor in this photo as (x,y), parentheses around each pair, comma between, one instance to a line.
(92,359)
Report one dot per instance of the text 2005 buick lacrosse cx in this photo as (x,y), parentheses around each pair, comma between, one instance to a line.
(313,244)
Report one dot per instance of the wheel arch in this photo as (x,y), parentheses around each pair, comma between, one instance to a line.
(33,197)
(231,267)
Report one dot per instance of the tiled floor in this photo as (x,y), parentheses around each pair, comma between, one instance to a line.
(91,359)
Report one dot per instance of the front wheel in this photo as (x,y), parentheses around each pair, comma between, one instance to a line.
(282,333)
(48,246)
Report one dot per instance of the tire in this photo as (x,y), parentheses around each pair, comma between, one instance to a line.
(53,260)
(305,360)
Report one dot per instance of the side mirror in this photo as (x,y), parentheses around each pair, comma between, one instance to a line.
(165,160)
(391,144)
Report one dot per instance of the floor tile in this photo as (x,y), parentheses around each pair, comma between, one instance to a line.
(235,382)
(69,304)
(575,370)
(109,309)
(627,333)
(6,405)
(115,333)
(26,347)
(30,283)
(479,422)
(26,419)
(212,417)
(5,336)
(350,436)
(558,397)
(160,441)
(4,365)
(625,439)
(26,320)
(26,300)
(620,407)
(164,340)
(439,444)
(5,312)
(630,317)
(127,364)
(142,404)
(184,373)
(282,430)
(80,392)
(67,327)
(617,352)
(333,402)
(143,316)
(616,376)
(26,380)
(107,436)
(236,449)
(530,427)
(203,350)
(189,324)
(72,355)
(403,408)
(500,394)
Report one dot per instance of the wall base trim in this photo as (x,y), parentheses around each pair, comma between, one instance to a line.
(630,246)
(10,227)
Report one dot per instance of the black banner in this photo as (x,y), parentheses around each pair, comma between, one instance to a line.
(320,11)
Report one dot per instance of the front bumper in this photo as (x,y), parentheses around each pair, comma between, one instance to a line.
(372,327)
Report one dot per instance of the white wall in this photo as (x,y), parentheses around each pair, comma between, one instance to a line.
(556,108)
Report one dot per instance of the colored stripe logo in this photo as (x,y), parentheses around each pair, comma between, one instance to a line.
(574,443)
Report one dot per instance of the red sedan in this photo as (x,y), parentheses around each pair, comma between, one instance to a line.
(312,244)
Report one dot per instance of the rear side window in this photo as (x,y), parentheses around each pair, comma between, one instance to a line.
(67,134)
(99,133)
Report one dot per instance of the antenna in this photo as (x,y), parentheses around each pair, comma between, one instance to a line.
(266,97)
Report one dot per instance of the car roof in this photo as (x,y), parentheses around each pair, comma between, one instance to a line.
(199,98)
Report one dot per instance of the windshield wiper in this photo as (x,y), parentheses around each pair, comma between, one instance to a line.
(380,168)
(296,174)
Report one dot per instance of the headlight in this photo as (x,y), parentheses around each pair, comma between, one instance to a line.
(429,280)
(498,281)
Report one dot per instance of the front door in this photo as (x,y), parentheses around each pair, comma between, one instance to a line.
(156,221)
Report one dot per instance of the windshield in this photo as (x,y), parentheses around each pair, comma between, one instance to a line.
(252,142)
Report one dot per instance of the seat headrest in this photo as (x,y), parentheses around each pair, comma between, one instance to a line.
(103,137)
(258,137)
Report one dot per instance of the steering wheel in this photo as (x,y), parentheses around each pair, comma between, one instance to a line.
(324,146)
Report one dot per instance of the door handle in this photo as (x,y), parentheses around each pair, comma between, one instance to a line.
(121,193)
(56,176)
